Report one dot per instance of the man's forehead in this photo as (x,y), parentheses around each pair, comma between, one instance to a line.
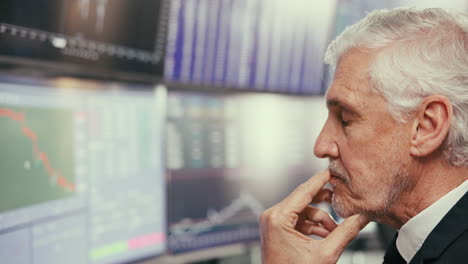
(351,84)
(352,71)
(359,98)
(341,95)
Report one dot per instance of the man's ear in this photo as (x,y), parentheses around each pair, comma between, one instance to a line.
(431,125)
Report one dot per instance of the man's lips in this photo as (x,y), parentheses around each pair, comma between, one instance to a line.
(335,179)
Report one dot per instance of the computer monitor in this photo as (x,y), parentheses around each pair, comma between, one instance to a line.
(230,157)
(201,157)
(250,45)
(82,174)
(96,38)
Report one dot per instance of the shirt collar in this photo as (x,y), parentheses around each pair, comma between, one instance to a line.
(413,233)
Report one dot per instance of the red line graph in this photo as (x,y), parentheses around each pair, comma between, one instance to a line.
(30,134)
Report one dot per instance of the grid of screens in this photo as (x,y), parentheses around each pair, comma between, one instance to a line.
(227,163)
(274,46)
(82,177)
(98,35)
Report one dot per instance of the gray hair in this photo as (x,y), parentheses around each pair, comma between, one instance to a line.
(418,52)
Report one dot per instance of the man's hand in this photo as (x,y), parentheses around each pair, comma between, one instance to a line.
(286,226)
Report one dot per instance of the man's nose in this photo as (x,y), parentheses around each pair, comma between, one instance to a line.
(325,146)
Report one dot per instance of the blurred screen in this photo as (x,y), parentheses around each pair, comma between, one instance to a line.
(349,12)
(82,177)
(256,45)
(454,5)
(98,35)
(230,157)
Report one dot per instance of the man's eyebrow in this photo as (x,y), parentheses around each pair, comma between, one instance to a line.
(337,103)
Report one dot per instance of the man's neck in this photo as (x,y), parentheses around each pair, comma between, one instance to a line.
(428,186)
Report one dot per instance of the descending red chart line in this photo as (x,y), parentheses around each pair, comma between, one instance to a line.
(37,153)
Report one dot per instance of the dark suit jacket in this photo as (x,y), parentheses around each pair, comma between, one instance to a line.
(448,241)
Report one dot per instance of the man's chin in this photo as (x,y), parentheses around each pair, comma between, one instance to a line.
(341,212)
(345,210)
(342,209)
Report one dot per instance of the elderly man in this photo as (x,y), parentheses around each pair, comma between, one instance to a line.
(397,141)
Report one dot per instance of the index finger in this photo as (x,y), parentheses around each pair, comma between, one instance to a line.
(305,193)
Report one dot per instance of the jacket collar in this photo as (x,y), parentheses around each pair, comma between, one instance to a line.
(452,225)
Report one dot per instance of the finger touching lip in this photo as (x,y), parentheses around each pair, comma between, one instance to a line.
(334,180)
(303,194)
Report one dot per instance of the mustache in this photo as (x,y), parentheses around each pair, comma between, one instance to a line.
(338,171)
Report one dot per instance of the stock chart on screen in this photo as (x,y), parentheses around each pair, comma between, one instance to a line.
(42,165)
(82,177)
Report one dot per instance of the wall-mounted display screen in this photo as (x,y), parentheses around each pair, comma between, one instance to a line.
(90,37)
(256,45)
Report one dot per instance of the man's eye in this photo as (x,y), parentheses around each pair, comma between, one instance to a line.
(345,119)
(345,123)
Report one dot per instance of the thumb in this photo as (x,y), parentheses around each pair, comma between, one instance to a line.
(337,240)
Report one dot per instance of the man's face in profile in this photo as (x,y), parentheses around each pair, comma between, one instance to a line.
(368,150)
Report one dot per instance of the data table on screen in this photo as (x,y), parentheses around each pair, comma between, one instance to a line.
(253,45)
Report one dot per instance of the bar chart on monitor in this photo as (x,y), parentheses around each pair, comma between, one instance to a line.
(36,166)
